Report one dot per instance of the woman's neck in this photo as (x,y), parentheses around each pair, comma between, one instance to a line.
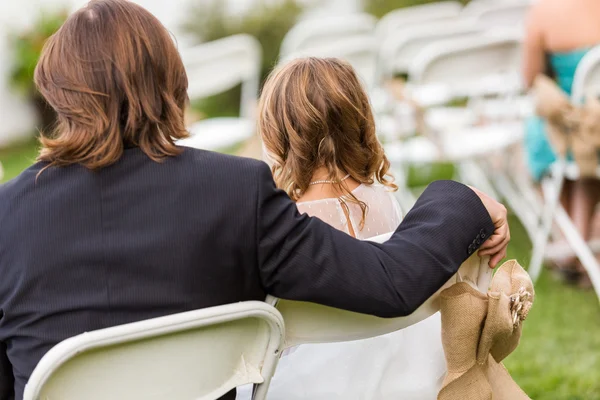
(320,191)
(322,173)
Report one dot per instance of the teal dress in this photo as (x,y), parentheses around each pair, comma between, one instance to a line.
(539,152)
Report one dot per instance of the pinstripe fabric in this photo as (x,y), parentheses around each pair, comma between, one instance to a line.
(83,250)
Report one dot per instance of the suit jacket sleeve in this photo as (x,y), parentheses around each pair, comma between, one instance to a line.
(303,258)
(6,375)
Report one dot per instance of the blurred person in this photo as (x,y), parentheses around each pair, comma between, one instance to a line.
(115,223)
(558,35)
(319,135)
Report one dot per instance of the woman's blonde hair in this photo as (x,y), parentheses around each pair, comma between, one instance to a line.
(314,113)
(114,76)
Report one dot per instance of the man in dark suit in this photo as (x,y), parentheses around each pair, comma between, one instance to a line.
(116,224)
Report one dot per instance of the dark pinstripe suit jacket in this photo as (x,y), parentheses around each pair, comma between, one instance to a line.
(83,250)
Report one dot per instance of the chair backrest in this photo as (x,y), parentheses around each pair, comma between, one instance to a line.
(360,51)
(416,15)
(217,66)
(314,323)
(198,355)
(487,64)
(398,50)
(587,77)
(316,32)
(499,13)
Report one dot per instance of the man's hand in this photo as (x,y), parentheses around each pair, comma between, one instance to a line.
(496,245)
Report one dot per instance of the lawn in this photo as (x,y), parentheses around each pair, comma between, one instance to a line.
(17,158)
(559,355)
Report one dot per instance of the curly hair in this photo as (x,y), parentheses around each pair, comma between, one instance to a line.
(314,113)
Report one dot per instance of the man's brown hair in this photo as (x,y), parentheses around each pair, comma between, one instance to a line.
(114,76)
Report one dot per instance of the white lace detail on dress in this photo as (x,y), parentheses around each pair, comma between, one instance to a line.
(383,212)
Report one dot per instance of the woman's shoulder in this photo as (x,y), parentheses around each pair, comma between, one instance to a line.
(363,192)
(374,191)
(373,195)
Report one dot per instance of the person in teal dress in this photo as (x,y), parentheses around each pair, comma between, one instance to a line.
(559,33)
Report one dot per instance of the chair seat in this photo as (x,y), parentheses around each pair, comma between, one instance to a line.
(404,119)
(506,108)
(468,143)
(415,150)
(444,118)
(386,127)
(429,95)
(219,133)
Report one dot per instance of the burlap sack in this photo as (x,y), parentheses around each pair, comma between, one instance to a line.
(479,331)
(552,104)
(569,127)
(590,123)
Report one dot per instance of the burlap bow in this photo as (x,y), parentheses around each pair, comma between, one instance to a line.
(570,127)
(479,331)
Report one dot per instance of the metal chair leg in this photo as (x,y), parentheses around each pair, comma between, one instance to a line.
(580,247)
(551,188)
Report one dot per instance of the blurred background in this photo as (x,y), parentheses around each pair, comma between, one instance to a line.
(451,102)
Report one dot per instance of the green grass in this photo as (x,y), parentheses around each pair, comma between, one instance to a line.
(559,354)
(15,159)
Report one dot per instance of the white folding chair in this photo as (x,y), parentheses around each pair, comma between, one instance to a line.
(476,69)
(199,355)
(349,37)
(319,31)
(460,68)
(359,51)
(213,68)
(313,323)
(416,15)
(399,49)
(488,65)
(510,13)
(585,83)
(467,67)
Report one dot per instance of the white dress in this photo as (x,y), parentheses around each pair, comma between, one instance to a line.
(404,365)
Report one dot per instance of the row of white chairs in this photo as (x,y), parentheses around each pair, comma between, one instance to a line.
(204,354)
(487,12)
(404,29)
(223,64)
(214,68)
